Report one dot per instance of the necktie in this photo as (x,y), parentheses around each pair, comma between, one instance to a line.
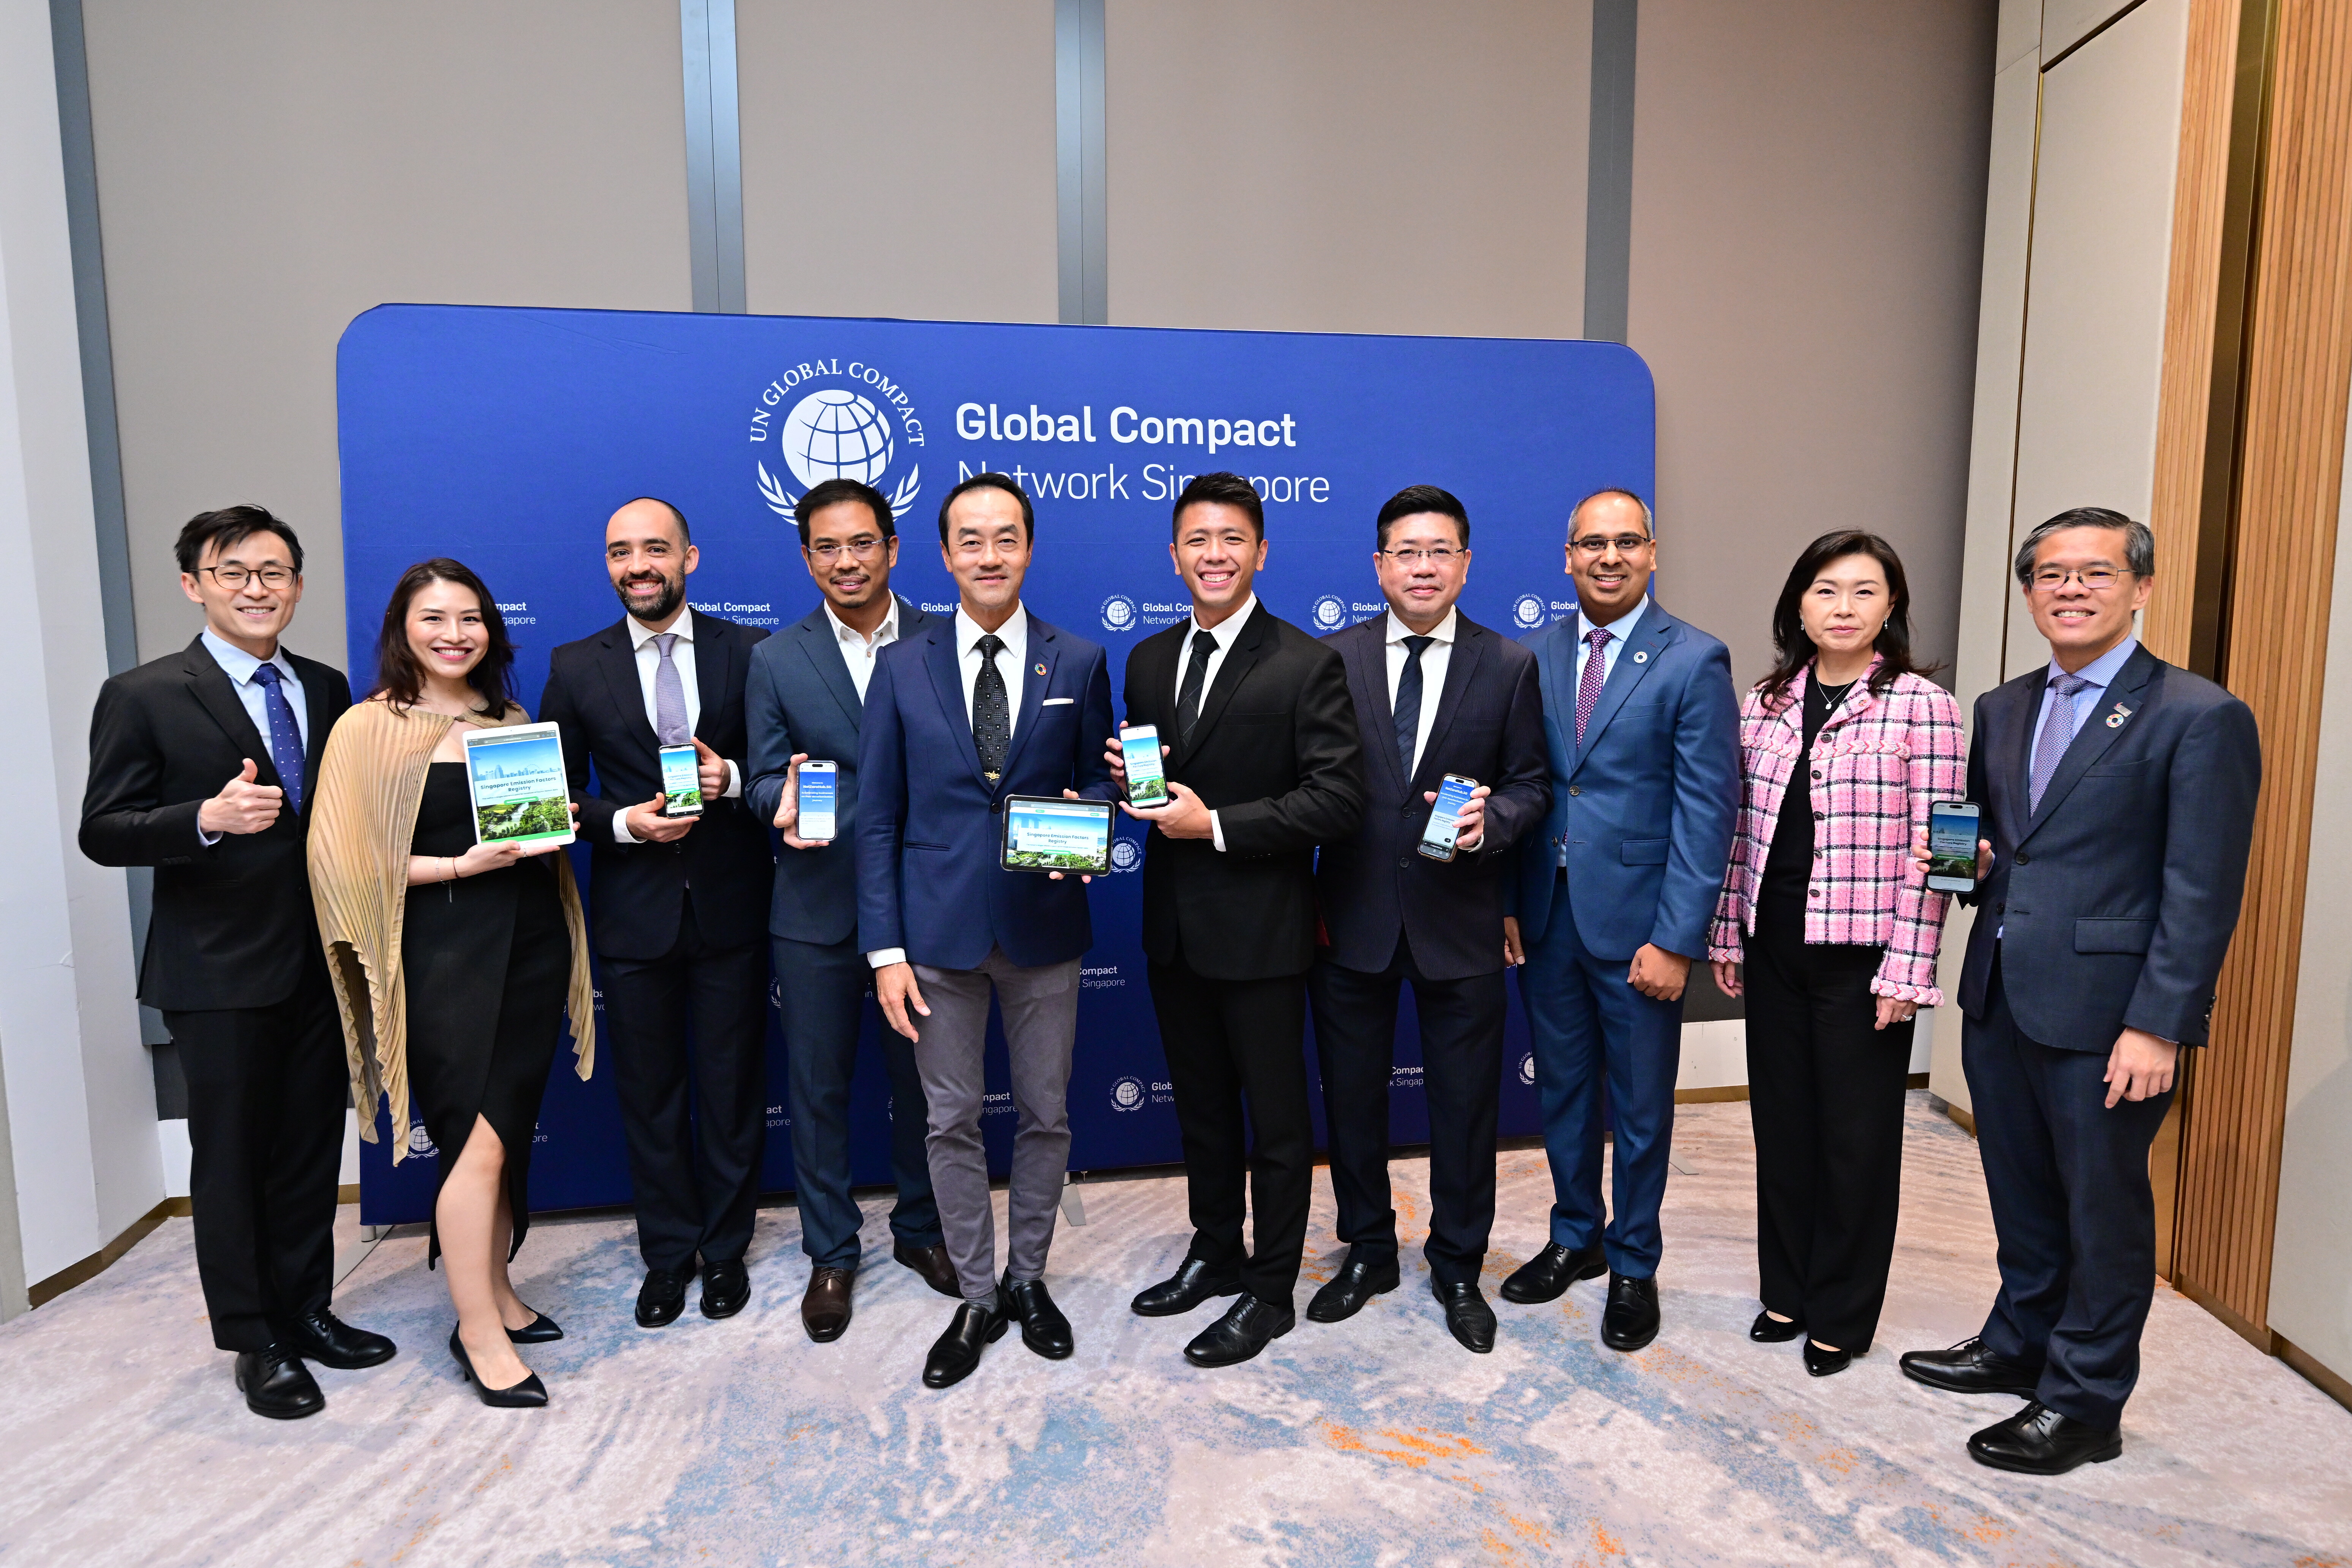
(991,715)
(1408,702)
(1196,674)
(284,735)
(670,727)
(2057,733)
(1596,675)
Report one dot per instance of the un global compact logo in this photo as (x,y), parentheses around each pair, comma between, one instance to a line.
(1127,1094)
(1118,614)
(1527,1067)
(1329,613)
(832,421)
(1126,855)
(420,1141)
(1528,610)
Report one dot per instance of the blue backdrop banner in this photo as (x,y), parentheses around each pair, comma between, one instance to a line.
(506,437)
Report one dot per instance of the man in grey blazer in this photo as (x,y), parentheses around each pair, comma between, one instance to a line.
(2117,794)
(805,697)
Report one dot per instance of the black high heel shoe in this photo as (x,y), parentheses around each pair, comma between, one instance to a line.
(538,1332)
(528,1394)
(1822,1362)
(1767,1330)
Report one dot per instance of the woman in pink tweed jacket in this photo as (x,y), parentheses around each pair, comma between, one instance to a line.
(1828,930)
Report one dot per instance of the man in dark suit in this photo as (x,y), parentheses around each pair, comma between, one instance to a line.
(678,906)
(2118,795)
(1434,693)
(201,764)
(807,698)
(1264,764)
(1614,899)
(971,711)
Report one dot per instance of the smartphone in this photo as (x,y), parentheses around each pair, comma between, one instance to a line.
(817,781)
(1452,794)
(1147,776)
(1952,845)
(681,774)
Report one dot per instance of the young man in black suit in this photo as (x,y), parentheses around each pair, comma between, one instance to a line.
(1264,764)
(2118,798)
(678,906)
(1436,693)
(200,765)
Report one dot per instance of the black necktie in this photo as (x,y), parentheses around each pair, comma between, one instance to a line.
(1408,702)
(1196,674)
(991,715)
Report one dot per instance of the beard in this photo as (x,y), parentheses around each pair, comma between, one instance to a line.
(673,593)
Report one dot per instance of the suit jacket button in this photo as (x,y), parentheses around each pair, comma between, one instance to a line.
(2023,860)
(1404,862)
(1575,789)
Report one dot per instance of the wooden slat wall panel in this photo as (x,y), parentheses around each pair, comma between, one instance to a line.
(2298,367)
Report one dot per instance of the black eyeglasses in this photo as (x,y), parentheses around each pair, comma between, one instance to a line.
(235,578)
(1595,544)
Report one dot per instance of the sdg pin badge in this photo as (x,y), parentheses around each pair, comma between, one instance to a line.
(2116,720)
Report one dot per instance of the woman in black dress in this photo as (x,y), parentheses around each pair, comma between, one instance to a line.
(483,951)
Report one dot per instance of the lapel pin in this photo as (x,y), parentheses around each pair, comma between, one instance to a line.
(2116,720)
(1643,657)
(1041,669)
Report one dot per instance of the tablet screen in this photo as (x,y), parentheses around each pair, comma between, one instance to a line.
(1070,835)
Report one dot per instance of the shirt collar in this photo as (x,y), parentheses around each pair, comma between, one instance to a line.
(1621,628)
(640,634)
(1442,632)
(240,665)
(886,632)
(1233,622)
(2100,671)
(1014,631)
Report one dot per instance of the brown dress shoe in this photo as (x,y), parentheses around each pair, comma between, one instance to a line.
(824,1307)
(931,1263)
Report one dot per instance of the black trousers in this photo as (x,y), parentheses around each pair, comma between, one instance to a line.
(1237,1059)
(268,1087)
(2072,1209)
(694,1156)
(1462,1068)
(1825,1091)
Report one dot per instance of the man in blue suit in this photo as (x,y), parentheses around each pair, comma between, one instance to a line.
(805,698)
(1613,900)
(961,715)
(2117,794)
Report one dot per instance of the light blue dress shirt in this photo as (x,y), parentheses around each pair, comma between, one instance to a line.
(239,666)
(2100,672)
(1621,630)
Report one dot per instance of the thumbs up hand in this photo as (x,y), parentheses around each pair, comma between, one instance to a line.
(242,805)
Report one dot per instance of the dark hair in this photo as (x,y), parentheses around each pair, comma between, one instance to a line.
(1796,650)
(994,481)
(231,525)
(400,680)
(1415,499)
(1649,518)
(684,534)
(833,492)
(1222,489)
(2139,540)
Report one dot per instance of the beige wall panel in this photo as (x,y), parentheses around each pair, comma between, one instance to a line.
(1809,209)
(2019,34)
(2065,23)
(898,158)
(1349,165)
(271,168)
(2102,257)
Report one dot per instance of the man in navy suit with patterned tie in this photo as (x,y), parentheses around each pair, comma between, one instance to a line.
(1614,899)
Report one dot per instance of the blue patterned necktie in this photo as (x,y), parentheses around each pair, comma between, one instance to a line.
(2057,734)
(670,727)
(1408,702)
(284,735)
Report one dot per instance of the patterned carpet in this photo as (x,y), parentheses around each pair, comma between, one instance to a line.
(1378,1441)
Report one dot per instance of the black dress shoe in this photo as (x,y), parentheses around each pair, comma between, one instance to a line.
(662,1296)
(933,1264)
(956,1354)
(1970,1368)
(540,1331)
(276,1383)
(1043,1327)
(1822,1362)
(1767,1330)
(528,1394)
(725,1288)
(2037,1441)
(1359,1279)
(1467,1317)
(1548,1274)
(1631,1318)
(1190,1285)
(1244,1329)
(322,1337)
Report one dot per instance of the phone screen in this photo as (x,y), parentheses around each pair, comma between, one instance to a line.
(1452,794)
(1147,778)
(681,782)
(1952,845)
(818,781)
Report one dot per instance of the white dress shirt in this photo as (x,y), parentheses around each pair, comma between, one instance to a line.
(239,666)
(1222,639)
(1622,630)
(681,654)
(1434,658)
(858,650)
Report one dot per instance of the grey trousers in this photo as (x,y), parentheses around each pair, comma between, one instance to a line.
(1041,1023)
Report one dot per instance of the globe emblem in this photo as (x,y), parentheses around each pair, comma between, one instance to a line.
(1331,613)
(1527,609)
(1127,1094)
(1118,612)
(1123,854)
(836,435)
(420,1141)
(1527,1067)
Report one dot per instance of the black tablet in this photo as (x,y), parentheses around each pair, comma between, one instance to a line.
(1043,834)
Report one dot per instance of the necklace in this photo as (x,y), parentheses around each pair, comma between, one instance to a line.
(1833,697)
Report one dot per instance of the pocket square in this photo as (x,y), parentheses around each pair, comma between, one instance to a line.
(1051,701)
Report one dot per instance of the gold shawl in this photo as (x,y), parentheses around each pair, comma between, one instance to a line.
(371,784)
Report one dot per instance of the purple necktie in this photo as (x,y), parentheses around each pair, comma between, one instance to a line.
(670,727)
(2057,734)
(1596,675)
(284,735)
